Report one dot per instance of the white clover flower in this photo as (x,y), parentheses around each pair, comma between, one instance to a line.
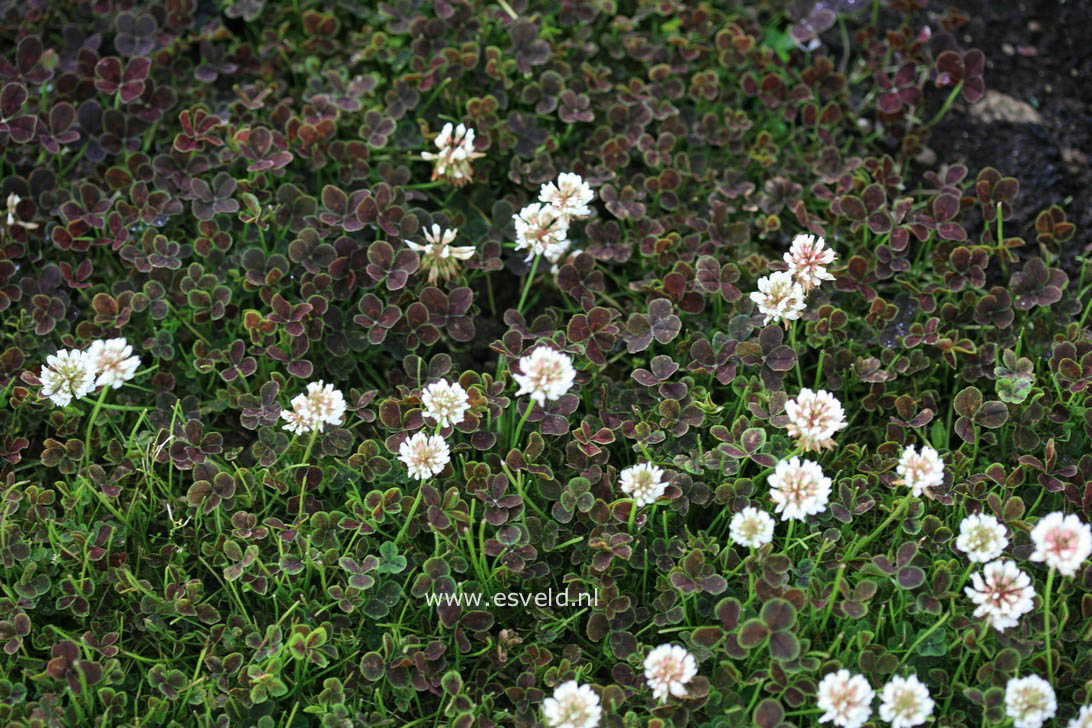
(1029,701)
(452,162)
(446,402)
(569,197)
(1083,719)
(547,374)
(1002,592)
(981,537)
(113,362)
(845,699)
(541,230)
(13,202)
(439,257)
(667,669)
(311,411)
(1062,541)
(918,471)
(572,706)
(69,374)
(905,702)
(779,297)
(807,259)
(643,482)
(814,417)
(424,455)
(799,489)
(752,528)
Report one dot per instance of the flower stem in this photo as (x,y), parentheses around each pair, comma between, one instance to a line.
(527,285)
(857,546)
(1046,623)
(91,422)
(410,515)
(522,422)
(303,481)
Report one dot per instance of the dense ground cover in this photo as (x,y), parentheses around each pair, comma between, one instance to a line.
(254,196)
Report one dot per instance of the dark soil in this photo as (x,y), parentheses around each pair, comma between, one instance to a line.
(1038,52)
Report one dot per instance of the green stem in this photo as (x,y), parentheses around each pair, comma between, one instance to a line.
(522,422)
(410,515)
(857,546)
(527,285)
(1046,624)
(91,422)
(303,480)
(947,104)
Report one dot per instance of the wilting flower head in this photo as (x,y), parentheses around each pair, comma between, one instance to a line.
(572,706)
(1029,701)
(814,417)
(667,669)
(905,702)
(13,202)
(845,699)
(752,528)
(456,145)
(779,297)
(542,230)
(799,489)
(808,258)
(643,482)
(1083,719)
(311,411)
(439,257)
(569,197)
(113,361)
(1002,594)
(547,374)
(920,470)
(981,537)
(424,455)
(69,374)
(1062,541)
(446,402)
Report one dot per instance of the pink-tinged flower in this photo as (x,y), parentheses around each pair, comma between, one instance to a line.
(905,702)
(572,706)
(69,374)
(643,482)
(1029,701)
(113,361)
(569,197)
(814,417)
(1002,594)
(541,230)
(845,699)
(779,297)
(920,470)
(981,537)
(752,528)
(439,257)
(546,374)
(799,489)
(311,411)
(667,669)
(445,402)
(424,455)
(1083,719)
(1062,541)
(456,152)
(807,259)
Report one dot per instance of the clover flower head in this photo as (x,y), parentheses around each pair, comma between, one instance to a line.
(438,256)
(569,197)
(920,470)
(799,489)
(751,527)
(1002,594)
(546,374)
(69,374)
(1062,542)
(643,482)
(807,259)
(312,410)
(779,297)
(667,669)
(456,152)
(1029,701)
(814,417)
(446,402)
(572,706)
(981,537)
(1083,719)
(113,362)
(542,230)
(905,702)
(845,699)
(424,455)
